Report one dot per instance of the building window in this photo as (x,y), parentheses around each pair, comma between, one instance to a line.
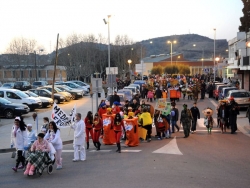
(229,71)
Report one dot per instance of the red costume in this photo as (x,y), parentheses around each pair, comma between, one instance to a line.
(89,129)
(97,131)
(116,110)
(102,111)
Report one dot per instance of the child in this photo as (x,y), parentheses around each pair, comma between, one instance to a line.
(208,120)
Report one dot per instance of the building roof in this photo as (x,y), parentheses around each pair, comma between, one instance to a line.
(189,63)
(159,58)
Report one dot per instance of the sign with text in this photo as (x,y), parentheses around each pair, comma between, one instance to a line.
(113,70)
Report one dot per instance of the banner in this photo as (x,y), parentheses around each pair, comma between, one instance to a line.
(163,106)
(72,114)
(60,117)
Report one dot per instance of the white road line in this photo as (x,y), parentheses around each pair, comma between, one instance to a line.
(102,150)
(130,151)
(67,151)
(170,148)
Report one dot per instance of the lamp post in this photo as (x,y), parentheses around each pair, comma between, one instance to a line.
(202,58)
(202,70)
(171,51)
(107,22)
(129,62)
(214,51)
(35,66)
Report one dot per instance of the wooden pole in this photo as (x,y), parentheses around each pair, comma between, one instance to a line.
(55,63)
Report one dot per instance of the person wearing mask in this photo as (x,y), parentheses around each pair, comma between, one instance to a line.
(19,140)
(45,125)
(97,131)
(196,115)
(89,126)
(146,121)
(79,138)
(31,135)
(54,137)
(185,120)
(233,111)
(118,127)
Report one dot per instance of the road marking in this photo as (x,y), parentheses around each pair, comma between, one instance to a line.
(67,151)
(170,148)
(130,151)
(200,122)
(102,150)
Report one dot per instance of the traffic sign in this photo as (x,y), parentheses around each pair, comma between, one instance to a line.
(113,70)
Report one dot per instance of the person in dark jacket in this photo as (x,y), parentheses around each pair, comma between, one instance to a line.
(116,97)
(158,93)
(223,116)
(203,89)
(174,118)
(135,105)
(210,90)
(196,115)
(233,109)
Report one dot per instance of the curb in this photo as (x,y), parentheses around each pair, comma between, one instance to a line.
(8,150)
(247,128)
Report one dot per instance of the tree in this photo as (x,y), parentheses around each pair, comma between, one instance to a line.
(245,20)
(171,69)
(157,70)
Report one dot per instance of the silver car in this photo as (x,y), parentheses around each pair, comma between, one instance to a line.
(242,97)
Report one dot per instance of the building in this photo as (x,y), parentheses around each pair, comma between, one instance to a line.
(238,60)
(12,73)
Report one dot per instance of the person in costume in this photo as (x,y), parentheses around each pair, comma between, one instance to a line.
(146,122)
(89,126)
(54,137)
(79,138)
(208,119)
(97,131)
(118,127)
(37,158)
(115,107)
(19,140)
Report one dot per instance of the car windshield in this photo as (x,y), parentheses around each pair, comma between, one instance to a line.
(19,83)
(6,85)
(37,83)
(21,94)
(4,101)
(79,83)
(57,89)
(32,94)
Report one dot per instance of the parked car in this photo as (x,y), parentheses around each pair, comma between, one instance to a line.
(74,86)
(67,95)
(76,94)
(17,96)
(22,85)
(8,85)
(225,90)
(10,110)
(80,83)
(128,94)
(242,97)
(85,88)
(138,87)
(58,98)
(122,100)
(46,101)
(218,89)
(133,89)
(37,84)
(140,82)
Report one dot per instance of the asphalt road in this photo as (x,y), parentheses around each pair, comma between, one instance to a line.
(199,161)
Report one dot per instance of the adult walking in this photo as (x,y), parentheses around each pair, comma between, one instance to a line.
(210,90)
(146,122)
(89,126)
(118,127)
(45,125)
(97,131)
(174,116)
(196,115)
(203,89)
(19,141)
(79,138)
(53,135)
(233,109)
(185,120)
(223,116)
(158,93)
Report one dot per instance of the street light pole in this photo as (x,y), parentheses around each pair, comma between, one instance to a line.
(171,48)
(107,22)
(129,62)
(214,51)
(35,65)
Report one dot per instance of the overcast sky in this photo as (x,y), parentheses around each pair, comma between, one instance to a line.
(139,19)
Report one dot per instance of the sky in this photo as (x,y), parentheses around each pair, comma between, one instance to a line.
(138,19)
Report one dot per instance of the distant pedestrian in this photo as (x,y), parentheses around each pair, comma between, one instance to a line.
(79,138)
(185,120)
(208,119)
(233,109)
(196,115)
(174,115)
(89,126)
(97,131)
(118,127)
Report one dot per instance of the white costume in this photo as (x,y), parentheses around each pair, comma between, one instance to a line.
(79,140)
(20,140)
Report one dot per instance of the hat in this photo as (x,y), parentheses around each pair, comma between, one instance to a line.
(116,103)
(41,135)
(17,119)
(102,104)
(29,125)
(231,98)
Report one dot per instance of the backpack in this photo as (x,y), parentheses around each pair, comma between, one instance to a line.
(172,113)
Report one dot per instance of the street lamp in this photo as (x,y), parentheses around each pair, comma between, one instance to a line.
(129,62)
(35,65)
(107,22)
(214,51)
(202,70)
(194,45)
(171,43)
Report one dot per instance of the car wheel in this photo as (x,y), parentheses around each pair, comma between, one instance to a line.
(73,97)
(56,101)
(9,114)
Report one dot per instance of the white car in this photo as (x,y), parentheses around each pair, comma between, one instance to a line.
(17,96)
(46,101)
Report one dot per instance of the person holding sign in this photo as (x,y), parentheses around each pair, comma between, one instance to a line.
(79,135)
(118,127)
(89,127)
